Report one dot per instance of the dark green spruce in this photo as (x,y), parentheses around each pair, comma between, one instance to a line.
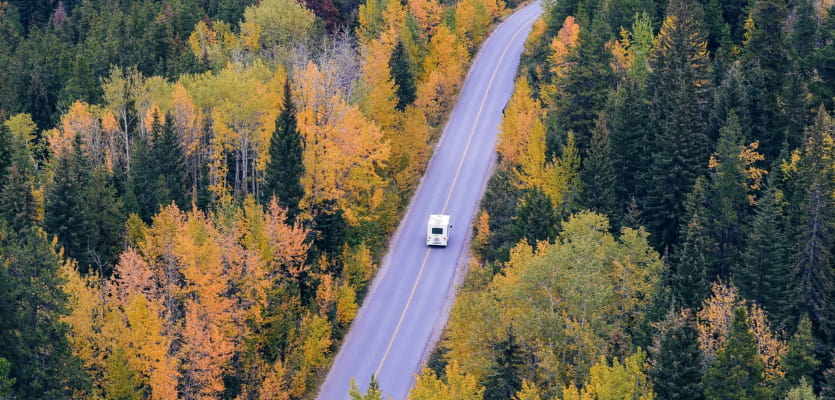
(285,168)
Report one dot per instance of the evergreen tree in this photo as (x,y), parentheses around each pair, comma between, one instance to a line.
(627,120)
(142,181)
(693,259)
(285,168)
(503,379)
(65,209)
(6,382)
(676,367)
(536,219)
(766,46)
(823,62)
(17,201)
(106,222)
(828,389)
(373,392)
(729,203)
(582,93)
(598,174)
(812,259)
(731,96)
(679,87)
(169,163)
(763,276)
(401,72)
(804,33)
(33,337)
(500,202)
(6,152)
(737,372)
(799,361)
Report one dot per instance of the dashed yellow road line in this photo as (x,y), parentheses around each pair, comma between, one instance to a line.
(446,203)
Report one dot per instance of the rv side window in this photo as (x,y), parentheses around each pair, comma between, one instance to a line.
(437,231)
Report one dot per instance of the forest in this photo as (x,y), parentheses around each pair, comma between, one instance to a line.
(195,194)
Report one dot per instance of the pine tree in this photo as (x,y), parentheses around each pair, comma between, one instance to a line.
(6,382)
(763,276)
(65,209)
(536,219)
(285,168)
(676,367)
(823,62)
(737,372)
(799,361)
(766,46)
(6,153)
(729,203)
(17,201)
(598,174)
(169,163)
(583,92)
(401,72)
(693,259)
(812,257)
(142,180)
(680,84)
(106,224)
(627,120)
(33,337)
(504,380)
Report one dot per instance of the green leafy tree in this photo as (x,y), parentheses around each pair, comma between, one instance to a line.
(800,362)
(503,379)
(401,71)
(285,168)
(598,174)
(679,87)
(803,391)
(737,372)
(676,367)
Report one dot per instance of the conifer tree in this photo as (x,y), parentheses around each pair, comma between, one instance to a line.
(106,224)
(766,46)
(33,337)
(142,180)
(169,163)
(65,209)
(536,218)
(583,92)
(692,261)
(799,361)
(763,275)
(729,203)
(676,367)
(285,168)
(737,372)
(503,379)
(598,174)
(6,153)
(812,255)
(401,72)
(679,84)
(823,62)
(17,201)
(627,120)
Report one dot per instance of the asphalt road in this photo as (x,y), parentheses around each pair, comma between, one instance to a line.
(406,307)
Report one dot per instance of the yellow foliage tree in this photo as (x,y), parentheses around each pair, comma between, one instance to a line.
(342,152)
(458,386)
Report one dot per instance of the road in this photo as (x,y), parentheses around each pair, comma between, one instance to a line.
(407,305)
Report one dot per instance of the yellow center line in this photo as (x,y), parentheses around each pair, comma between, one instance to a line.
(446,203)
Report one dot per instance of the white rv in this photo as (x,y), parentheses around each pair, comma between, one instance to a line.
(437,230)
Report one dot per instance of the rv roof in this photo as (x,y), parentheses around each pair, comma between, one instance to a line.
(439,219)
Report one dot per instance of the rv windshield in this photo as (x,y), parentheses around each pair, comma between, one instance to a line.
(437,231)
